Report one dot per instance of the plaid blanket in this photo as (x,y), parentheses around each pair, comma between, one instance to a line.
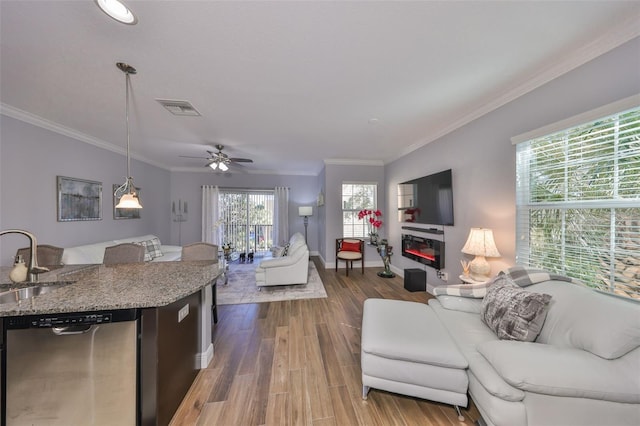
(521,275)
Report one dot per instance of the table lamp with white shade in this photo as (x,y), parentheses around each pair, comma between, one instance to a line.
(481,244)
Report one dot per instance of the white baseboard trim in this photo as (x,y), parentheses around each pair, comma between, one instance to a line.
(356,264)
(367,264)
(204,359)
(399,272)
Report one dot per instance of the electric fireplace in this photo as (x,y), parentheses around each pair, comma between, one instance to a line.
(424,250)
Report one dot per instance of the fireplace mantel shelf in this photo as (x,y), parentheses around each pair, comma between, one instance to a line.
(425,230)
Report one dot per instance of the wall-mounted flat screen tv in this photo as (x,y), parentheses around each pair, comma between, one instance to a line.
(427,200)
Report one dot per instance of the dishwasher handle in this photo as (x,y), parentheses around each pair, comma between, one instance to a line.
(71,329)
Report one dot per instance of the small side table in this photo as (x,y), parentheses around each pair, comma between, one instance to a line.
(468,280)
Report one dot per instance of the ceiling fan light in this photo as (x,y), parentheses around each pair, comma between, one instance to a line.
(129,201)
(224,167)
(118,11)
(213,165)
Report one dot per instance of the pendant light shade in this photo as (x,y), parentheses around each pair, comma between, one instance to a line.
(118,11)
(129,200)
(127,191)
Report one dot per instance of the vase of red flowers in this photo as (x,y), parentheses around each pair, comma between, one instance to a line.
(374,223)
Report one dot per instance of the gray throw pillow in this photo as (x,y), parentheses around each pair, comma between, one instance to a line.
(512,312)
(152,249)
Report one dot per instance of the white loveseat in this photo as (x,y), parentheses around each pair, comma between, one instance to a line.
(289,268)
(94,253)
(582,369)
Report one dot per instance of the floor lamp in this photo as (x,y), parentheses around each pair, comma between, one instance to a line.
(305,211)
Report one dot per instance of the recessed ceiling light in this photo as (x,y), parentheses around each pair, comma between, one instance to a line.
(373,121)
(118,11)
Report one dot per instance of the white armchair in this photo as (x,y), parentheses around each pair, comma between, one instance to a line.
(291,268)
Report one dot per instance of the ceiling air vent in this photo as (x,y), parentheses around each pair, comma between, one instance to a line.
(179,107)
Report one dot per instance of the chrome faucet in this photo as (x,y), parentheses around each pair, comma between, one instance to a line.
(33,267)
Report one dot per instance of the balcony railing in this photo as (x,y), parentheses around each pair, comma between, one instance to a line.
(246,239)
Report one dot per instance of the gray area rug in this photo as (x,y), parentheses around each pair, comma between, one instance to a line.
(241,287)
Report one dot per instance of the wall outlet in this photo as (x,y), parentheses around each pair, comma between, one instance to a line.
(444,276)
(183,312)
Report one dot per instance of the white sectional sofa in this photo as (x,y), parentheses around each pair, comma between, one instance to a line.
(583,368)
(289,268)
(94,253)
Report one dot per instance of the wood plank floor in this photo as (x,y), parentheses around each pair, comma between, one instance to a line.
(298,363)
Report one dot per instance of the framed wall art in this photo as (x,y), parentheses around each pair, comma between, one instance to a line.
(78,199)
(124,213)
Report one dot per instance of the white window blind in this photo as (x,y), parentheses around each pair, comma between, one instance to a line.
(247,216)
(356,197)
(578,202)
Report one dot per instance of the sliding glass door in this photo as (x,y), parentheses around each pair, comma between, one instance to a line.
(247,218)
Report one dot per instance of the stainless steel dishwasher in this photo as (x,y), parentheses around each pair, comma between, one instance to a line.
(72,369)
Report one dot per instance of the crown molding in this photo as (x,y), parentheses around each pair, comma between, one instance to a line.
(38,121)
(43,123)
(585,117)
(243,171)
(352,162)
(625,31)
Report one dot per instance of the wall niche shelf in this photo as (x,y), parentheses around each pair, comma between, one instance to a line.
(426,230)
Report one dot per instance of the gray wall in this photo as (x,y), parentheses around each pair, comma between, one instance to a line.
(30,159)
(322,217)
(482,157)
(186,186)
(334,176)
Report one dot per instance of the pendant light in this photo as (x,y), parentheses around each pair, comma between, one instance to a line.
(118,11)
(127,191)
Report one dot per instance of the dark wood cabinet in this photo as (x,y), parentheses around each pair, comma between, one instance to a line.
(168,353)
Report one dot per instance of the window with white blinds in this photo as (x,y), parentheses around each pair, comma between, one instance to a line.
(247,216)
(356,197)
(578,202)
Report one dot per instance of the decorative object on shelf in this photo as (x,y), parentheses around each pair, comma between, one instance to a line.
(481,244)
(79,199)
(465,267)
(126,192)
(385,251)
(124,213)
(305,211)
(374,223)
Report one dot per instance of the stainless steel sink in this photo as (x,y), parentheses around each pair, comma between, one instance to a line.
(25,293)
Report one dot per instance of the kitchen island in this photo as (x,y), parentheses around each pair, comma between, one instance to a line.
(169,337)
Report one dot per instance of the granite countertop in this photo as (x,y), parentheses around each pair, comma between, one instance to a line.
(109,287)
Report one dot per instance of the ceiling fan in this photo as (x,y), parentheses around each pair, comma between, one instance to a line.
(220,160)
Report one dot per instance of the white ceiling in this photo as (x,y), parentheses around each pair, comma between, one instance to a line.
(290,84)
